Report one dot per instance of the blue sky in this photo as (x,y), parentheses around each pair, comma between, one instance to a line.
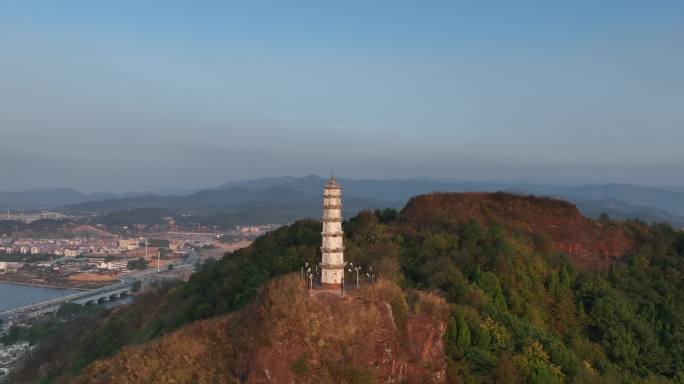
(135,95)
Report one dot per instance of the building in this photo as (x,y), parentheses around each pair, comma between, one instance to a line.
(332,249)
(8,266)
(176,245)
(128,244)
(72,252)
(115,265)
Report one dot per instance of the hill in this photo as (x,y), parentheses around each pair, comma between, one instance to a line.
(149,216)
(223,208)
(47,198)
(619,210)
(287,336)
(588,243)
(521,308)
(224,200)
(44,226)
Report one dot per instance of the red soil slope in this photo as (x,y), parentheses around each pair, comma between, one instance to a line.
(588,243)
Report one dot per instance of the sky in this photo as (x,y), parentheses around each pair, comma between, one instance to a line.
(144,95)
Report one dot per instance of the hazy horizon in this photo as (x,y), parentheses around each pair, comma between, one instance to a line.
(183,189)
(142,96)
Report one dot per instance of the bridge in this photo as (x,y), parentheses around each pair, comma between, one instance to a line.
(94,296)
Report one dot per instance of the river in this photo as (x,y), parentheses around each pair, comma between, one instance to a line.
(14,296)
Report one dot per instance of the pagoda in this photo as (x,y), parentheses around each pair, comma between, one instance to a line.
(332,262)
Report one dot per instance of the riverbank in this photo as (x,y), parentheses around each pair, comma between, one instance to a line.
(75,287)
(20,295)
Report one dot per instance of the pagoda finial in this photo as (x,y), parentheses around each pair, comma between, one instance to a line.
(332,183)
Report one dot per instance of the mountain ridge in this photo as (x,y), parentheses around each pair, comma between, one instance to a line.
(619,200)
(592,199)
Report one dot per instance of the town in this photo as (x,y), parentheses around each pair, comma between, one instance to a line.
(86,257)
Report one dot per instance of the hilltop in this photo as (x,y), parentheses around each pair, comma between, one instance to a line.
(286,336)
(588,243)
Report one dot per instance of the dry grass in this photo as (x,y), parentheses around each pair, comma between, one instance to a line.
(431,305)
(92,277)
(356,338)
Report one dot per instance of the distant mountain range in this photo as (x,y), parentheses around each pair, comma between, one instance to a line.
(670,199)
(282,199)
(231,206)
(50,198)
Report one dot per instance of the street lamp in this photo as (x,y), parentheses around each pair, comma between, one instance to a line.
(371,276)
(310,283)
(302,272)
(357,269)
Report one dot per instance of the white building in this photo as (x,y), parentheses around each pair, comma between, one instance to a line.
(9,266)
(128,244)
(72,252)
(332,249)
(115,265)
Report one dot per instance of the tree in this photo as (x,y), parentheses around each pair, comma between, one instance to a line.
(386,215)
(536,367)
(463,337)
(505,371)
(138,264)
(457,336)
(136,286)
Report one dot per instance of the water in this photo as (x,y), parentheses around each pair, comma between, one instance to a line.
(14,296)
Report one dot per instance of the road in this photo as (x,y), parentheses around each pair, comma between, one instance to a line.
(144,277)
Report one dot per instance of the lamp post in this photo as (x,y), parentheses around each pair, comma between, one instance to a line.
(357,269)
(306,265)
(310,284)
(371,277)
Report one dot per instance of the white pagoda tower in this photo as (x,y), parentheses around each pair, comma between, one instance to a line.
(332,263)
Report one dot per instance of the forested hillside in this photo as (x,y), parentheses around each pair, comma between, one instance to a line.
(535,293)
